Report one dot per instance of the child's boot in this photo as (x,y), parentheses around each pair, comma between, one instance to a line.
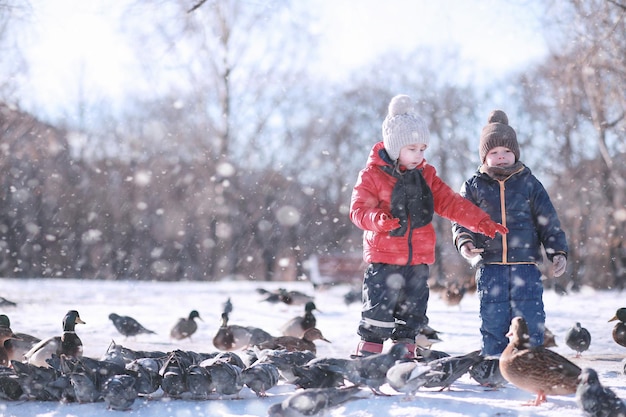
(410,346)
(366,348)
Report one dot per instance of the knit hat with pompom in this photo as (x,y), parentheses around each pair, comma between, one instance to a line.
(497,132)
(403,126)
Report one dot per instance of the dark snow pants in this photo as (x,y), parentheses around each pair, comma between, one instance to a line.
(507,291)
(395,298)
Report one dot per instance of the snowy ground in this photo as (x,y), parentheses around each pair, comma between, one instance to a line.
(43,303)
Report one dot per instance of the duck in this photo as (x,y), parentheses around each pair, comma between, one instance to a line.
(5,334)
(619,331)
(536,369)
(291,343)
(299,324)
(128,326)
(68,344)
(578,339)
(185,327)
(314,401)
(596,400)
(18,346)
(231,337)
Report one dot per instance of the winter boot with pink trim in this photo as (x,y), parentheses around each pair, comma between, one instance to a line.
(410,345)
(366,348)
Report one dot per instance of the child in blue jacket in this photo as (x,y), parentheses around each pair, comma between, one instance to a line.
(508,278)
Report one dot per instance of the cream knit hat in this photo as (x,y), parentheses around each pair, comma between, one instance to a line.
(403,126)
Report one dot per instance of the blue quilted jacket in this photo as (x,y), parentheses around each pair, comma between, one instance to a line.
(521,203)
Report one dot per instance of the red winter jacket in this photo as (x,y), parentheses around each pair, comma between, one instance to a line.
(371,196)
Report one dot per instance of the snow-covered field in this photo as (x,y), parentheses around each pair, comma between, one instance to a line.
(41,305)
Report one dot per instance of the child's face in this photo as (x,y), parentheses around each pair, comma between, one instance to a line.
(500,157)
(412,155)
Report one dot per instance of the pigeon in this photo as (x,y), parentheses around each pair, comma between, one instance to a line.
(320,373)
(119,392)
(298,325)
(128,326)
(198,382)
(451,368)
(147,376)
(260,377)
(185,327)
(68,344)
(578,339)
(536,369)
(408,376)
(371,371)
(225,377)
(596,400)
(487,373)
(285,361)
(313,401)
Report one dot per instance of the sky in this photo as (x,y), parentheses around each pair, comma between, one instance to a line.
(75,40)
(41,305)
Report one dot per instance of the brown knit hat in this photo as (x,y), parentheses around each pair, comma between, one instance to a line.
(497,132)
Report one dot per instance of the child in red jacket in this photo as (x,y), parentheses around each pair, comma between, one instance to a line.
(393,201)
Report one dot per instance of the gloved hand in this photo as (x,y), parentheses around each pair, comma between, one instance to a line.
(473,255)
(469,251)
(387,223)
(559,263)
(489,228)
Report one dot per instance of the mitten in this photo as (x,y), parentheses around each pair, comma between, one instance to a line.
(387,223)
(559,263)
(489,228)
(468,251)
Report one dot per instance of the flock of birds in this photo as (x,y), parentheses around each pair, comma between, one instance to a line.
(54,369)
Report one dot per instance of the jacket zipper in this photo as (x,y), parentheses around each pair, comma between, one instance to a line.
(503,211)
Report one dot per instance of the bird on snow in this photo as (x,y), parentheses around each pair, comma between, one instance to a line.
(596,400)
(487,373)
(298,325)
(321,373)
(119,392)
(233,337)
(285,361)
(7,303)
(314,401)
(5,334)
(578,339)
(291,343)
(16,347)
(68,344)
(408,376)
(128,326)
(260,377)
(619,331)
(549,339)
(371,371)
(449,369)
(185,327)
(536,369)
